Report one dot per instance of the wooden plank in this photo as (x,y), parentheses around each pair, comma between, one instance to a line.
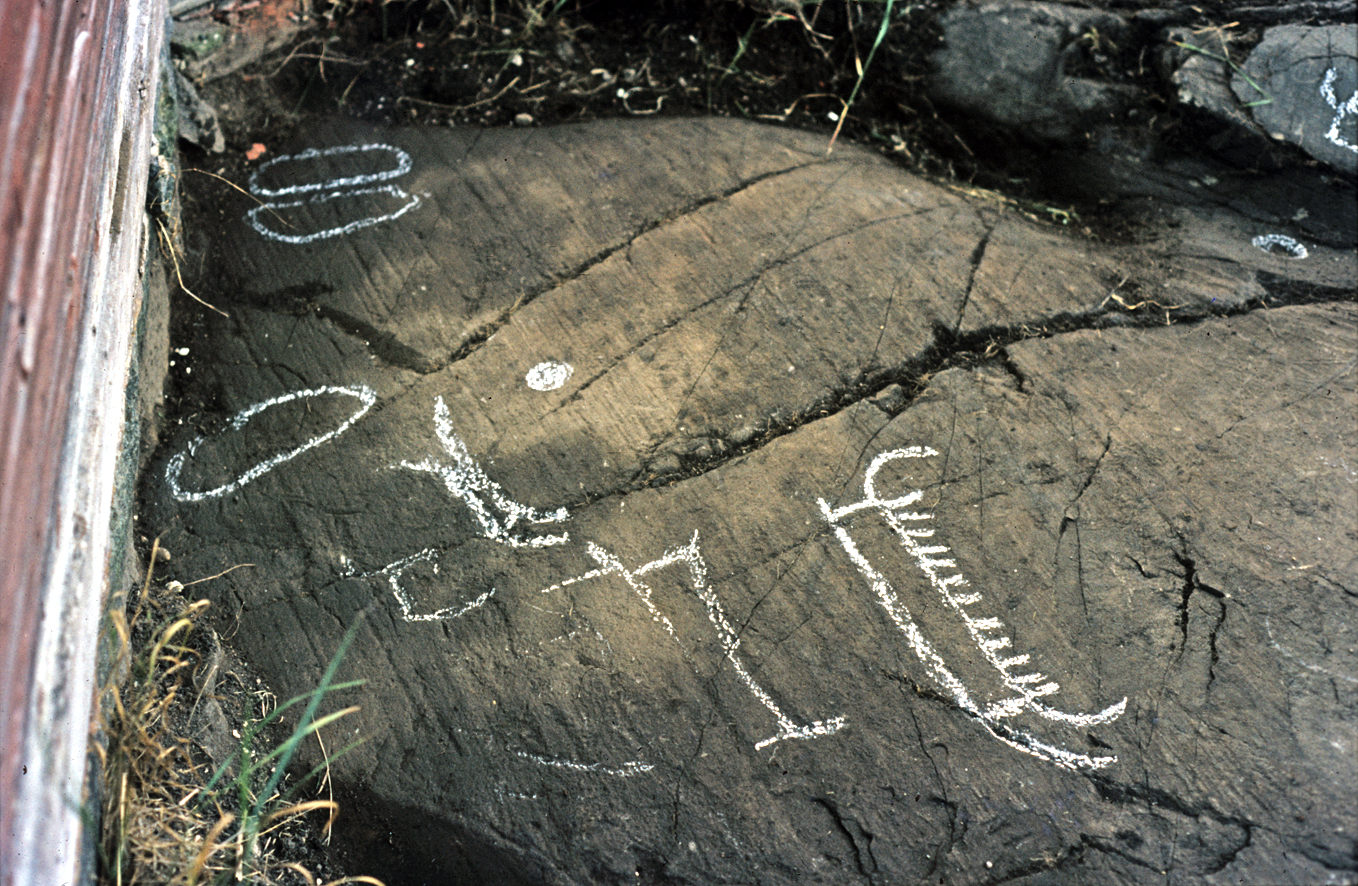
(74,155)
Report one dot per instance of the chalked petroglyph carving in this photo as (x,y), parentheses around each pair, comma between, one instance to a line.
(1028,686)
(359,187)
(364,395)
(1280,243)
(691,556)
(504,520)
(395,571)
(1347,109)
(626,770)
(465,480)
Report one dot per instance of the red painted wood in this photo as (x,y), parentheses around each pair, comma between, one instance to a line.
(61,62)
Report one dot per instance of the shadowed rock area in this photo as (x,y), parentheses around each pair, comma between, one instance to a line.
(716,511)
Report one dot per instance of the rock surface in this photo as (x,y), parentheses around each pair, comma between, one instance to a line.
(714,511)
(1019,65)
(1050,73)
(1301,85)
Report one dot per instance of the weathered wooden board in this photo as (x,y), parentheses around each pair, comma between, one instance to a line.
(656,579)
(77,99)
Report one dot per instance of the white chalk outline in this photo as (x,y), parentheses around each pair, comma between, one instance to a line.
(403,165)
(1341,111)
(366,396)
(394,570)
(626,770)
(691,555)
(1294,249)
(549,375)
(465,480)
(335,188)
(251,217)
(1029,687)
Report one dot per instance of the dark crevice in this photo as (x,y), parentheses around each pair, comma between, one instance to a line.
(941,851)
(1089,480)
(921,690)
(1184,594)
(996,728)
(858,839)
(384,345)
(1141,568)
(949,350)
(1069,856)
(1286,291)
(1191,585)
(1228,857)
(387,347)
(1067,519)
(977,256)
(1007,363)
(1145,796)
(479,337)
(1109,849)
(745,287)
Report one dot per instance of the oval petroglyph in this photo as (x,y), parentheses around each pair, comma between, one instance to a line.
(402,165)
(1280,244)
(365,395)
(329,190)
(257,217)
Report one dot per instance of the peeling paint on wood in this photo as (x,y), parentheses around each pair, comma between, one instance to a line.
(76,100)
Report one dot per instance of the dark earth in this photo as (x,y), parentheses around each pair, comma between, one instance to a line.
(718,494)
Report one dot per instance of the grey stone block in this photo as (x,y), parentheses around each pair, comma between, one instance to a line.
(1307,95)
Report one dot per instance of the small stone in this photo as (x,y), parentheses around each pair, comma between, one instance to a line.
(890,398)
(665,465)
(523,119)
(743,435)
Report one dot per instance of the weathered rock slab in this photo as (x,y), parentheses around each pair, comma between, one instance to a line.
(684,551)
(1301,85)
(1020,65)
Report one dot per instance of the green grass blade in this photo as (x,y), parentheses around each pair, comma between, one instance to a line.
(881,35)
(290,746)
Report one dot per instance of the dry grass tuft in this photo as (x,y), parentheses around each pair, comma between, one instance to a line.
(169,819)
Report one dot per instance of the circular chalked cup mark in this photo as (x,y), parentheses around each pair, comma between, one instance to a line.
(365,395)
(1280,244)
(549,375)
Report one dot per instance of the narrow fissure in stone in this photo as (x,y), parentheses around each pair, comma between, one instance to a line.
(986,346)
(479,337)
